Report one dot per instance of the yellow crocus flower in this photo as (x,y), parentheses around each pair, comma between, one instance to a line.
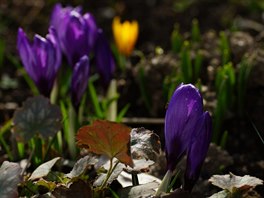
(125,35)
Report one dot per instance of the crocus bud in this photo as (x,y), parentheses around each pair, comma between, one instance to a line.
(197,151)
(79,80)
(103,57)
(125,35)
(76,39)
(184,110)
(41,59)
(77,32)
(92,29)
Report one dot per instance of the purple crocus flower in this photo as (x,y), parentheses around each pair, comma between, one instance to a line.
(41,59)
(184,109)
(79,35)
(104,58)
(187,129)
(79,80)
(77,32)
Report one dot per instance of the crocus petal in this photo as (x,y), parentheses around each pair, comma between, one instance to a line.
(75,41)
(45,63)
(57,15)
(79,80)
(59,20)
(91,29)
(25,53)
(39,48)
(104,58)
(53,38)
(60,15)
(184,110)
(76,32)
(59,12)
(197,151)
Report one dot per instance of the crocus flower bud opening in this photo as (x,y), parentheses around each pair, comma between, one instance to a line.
(79,80)
(104,58)
(79,36)
(187,130)
(41,58)
(184,109)
(125,35)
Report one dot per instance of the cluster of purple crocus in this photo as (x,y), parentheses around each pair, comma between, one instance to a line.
(74,34)
(187,130)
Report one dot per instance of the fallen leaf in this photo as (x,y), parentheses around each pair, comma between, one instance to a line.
(9,179)
(144,190)
(232,182)
(106,138)
(125,179)
(36,117)
(44,169)
(221,194)
(100,179)
(140,166)
(144,144)
(81,165)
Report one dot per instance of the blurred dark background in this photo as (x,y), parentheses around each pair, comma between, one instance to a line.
(156,17)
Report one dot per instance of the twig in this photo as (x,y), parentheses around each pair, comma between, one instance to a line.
(138,120)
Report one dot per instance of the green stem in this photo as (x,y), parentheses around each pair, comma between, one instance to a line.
(114,194)
(111,114)
(109,173)
(186,63)
(6,148)
(144,91)
(28,161)
(94,98)
(36,145)
(122,62)
(68,126)
(54,93)
(173,181)
(6,127)
(21,149)
(3,130)
(81,110)
(224,140)
(71,135)
(165,183)
(57,140)
(50,143)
